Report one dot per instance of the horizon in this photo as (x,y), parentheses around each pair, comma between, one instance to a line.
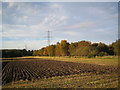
(53,44)
(27,23)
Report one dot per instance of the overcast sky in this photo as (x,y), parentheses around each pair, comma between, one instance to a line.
(27,23)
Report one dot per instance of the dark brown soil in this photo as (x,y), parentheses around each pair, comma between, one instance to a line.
(37,69)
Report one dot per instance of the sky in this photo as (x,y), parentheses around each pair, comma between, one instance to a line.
(25,24)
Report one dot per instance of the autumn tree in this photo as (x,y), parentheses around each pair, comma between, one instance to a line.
(83,48)
(102,49)
(111,49)
(62,48)
(93,51)
(116,46)
(72,48)
(51,50)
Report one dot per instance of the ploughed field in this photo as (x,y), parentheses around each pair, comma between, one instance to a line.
(36,69)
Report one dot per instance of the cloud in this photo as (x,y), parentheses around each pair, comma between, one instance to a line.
(70,21)
(54,20)
(55,6)
(34,14)
(60,1)
(0,27)
(21,13)
(11,4)
(81,25)
(23,31)
(107,31)
(21,44)
(71,33)
(0,11)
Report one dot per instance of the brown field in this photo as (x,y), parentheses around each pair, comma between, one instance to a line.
(37,69)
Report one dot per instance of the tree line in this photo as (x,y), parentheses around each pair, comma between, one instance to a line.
(64,48)
(81,48)
(16,53)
